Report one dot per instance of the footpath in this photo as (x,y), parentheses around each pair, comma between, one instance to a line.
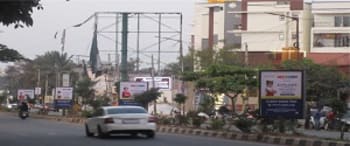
(309,137)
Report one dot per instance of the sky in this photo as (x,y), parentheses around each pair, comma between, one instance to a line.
(60,14)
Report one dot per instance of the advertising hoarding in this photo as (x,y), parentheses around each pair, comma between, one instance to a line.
(163,83)
(128,90)
(281,94)
(24,94)
(64,93)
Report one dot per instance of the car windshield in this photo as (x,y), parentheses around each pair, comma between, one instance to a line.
(126,111)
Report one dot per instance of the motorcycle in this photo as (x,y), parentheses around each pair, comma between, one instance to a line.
(23,114)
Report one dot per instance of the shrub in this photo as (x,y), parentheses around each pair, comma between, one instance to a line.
(163,120)
(244,124)
(217,124)
(86,114)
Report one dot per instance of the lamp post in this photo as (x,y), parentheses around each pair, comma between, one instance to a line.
(296,19)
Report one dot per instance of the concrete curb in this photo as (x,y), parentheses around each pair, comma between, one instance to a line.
(290,141)
(281,140)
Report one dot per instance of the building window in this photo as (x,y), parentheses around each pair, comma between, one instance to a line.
(282,18)
(281,36)
(342,21)
(332,40)
(283,2)
(294,36)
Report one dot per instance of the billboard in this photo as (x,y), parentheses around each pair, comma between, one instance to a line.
(24,94)
(64,93)
(281,94)
(128,90)
(163,83)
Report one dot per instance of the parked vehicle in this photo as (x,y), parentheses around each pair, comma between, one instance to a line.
(120,119)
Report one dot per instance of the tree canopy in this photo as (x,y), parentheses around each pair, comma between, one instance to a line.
(322,82)
(9,55)
(18,12)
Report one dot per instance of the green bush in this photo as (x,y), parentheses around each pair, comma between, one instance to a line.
(217,124)
(86,113)
(197,121)
(244,124)
(165,120)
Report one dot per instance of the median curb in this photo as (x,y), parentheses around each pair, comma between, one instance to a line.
(281,140)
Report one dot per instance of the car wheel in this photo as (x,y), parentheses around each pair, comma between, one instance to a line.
(150,134)
(87,132)
(100,134)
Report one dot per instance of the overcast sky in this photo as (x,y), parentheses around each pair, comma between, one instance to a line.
(59,14)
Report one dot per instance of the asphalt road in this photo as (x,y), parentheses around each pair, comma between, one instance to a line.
(36,132)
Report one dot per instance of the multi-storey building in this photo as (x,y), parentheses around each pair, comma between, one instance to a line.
(268,26)
(330,35)
(212,22)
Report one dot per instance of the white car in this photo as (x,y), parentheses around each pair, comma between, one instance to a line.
(119,120)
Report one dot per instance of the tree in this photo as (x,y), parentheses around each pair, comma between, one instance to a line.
(84,88)
(147,97)
(9,55)
(322,82)
(232,81)
(207,105)
(25,74)
(181,99)
(18,12)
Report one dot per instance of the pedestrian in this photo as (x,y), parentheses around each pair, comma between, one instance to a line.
(330,119)
(317,118)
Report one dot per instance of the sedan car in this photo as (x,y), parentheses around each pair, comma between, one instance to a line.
(120,120)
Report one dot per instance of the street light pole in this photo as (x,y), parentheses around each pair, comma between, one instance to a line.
(296,19)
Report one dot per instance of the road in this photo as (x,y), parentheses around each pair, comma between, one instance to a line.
(324,134)
(37,132)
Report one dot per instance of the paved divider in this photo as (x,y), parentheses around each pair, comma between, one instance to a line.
(281,139)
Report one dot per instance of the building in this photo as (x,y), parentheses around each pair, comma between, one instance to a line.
(212,22)
(268,26)
(331,34)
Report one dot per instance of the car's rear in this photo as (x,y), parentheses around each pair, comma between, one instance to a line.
(129,119)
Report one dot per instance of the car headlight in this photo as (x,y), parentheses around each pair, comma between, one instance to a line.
(9,106)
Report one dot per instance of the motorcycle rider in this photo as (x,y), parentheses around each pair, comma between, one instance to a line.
(23,108)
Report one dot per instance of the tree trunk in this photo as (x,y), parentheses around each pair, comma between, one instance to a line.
(183,109)
(233,103)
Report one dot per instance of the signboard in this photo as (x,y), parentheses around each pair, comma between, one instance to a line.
(65,80)
(281,94)
(64,93)
(63,103)
(37,91)
(127,102)
(163,83)
(24,94)
(220,1)
(128,90)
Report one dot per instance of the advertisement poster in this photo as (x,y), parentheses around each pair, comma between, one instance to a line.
(163,83)
(128,90)
(24,94)
(282,94)
(64,93)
